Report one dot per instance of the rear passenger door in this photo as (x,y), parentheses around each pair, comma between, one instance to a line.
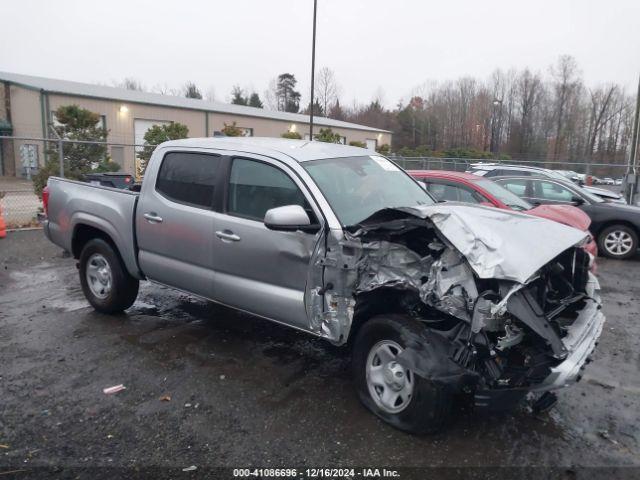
(260,270)
(175,221)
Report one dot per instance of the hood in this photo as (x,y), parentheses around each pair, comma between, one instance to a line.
(565,214)
(602,192)
(497,244)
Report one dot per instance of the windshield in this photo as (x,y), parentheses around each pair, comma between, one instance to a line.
(357,187)
(510,199)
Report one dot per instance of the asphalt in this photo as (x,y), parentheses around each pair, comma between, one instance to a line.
(210,387)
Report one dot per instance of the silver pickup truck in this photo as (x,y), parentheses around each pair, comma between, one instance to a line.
(435,300)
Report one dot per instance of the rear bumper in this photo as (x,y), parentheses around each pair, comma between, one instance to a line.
(580,342)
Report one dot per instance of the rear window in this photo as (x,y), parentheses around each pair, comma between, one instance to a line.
(188,178)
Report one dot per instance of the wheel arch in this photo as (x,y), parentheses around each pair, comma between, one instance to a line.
(380,301)
(610,223)
(83,233)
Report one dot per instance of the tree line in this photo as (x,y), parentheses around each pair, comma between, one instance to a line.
(521,114)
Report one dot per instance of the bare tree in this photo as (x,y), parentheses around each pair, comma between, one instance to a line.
(327,89)
(210,94)
(603,109)
(271,94)
(565,85)
(130,83)
(192,91)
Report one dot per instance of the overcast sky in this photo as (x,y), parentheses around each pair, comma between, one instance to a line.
(388,46)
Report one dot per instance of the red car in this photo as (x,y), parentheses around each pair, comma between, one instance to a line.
(469,188)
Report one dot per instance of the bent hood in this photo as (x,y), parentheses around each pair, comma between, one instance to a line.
(496,243)
(565,214)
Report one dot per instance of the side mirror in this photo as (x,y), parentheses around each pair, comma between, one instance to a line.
(288,218)
(577,200)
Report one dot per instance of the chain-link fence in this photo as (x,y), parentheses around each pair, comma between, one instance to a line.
(21,158)
(26,162)
(600,170)
(20,208)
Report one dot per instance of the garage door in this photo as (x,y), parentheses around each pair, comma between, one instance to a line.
(140,127)
(372,143)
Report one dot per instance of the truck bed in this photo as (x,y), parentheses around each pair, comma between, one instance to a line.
(74,204)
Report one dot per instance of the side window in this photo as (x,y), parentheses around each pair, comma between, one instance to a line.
(519,187)
(255,187)
(452,193)
(437,190)
(469,196)
(189,178)
(553,191)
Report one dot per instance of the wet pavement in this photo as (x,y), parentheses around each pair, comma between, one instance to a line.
(240,391)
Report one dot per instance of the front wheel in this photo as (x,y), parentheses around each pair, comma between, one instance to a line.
(618,241)
(105,281)
(391,391)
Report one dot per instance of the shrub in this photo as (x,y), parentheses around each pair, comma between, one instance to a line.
(355,143)
(292,135)
(384,149)
(154,137)
(232,130)
(327,135)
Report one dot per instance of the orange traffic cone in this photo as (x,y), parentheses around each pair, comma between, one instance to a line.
(3,226)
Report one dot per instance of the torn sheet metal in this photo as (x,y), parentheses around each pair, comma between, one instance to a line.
(391,265)
(450,286)
(497,243)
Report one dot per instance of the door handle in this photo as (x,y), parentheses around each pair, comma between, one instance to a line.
(152,217)
(227,236)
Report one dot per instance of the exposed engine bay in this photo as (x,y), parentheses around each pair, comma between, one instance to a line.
(497,322)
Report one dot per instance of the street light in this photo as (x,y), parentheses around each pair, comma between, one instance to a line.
(313,67)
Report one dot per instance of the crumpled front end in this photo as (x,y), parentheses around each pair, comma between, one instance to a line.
(498,327)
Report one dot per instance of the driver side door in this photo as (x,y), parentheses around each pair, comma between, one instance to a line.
(259,270)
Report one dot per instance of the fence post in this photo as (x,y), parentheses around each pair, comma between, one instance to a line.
(61,157)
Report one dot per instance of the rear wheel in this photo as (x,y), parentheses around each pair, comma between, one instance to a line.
(105,281)
(391,391)
(618,241)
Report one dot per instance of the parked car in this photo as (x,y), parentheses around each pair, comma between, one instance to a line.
(435,299)
(110,179)
(490,170)
(608,181)
(615,226)
(465,187)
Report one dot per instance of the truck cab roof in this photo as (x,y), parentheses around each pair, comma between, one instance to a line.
(298,150)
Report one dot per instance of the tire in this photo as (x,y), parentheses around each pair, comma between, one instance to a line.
(105,281)
(426,408)
(618,241)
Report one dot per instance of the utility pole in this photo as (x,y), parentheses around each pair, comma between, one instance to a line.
(631,180)
(313,68)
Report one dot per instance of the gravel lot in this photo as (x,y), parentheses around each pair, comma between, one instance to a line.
(239,391)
